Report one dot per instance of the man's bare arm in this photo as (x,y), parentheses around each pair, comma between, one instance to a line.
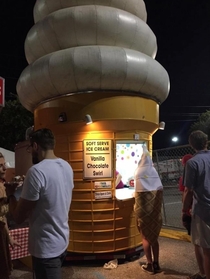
(21,209)
(187,199)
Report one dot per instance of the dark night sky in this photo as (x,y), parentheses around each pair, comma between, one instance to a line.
(182,28)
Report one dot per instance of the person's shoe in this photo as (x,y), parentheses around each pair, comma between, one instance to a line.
(197,276)
(156,267)
(147,268)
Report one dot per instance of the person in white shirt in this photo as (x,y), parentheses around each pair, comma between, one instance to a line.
(45,200)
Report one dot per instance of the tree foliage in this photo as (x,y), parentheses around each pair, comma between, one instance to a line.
(203,123)
(14,120)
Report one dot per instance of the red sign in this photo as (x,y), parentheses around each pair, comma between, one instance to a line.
(2,91)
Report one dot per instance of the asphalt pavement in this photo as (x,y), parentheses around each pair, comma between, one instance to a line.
(177,260)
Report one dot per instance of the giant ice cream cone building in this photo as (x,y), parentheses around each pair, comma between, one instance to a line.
(94,57)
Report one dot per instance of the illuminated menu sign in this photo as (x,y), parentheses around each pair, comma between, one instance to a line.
(97,158)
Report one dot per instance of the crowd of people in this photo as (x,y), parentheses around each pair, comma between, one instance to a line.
(46,198)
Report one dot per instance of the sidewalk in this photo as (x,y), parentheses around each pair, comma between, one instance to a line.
(177,261)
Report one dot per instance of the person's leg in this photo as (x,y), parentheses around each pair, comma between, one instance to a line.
(146,246)
(155,251)
(206,253)
(147,249)
(48,268)
(148,267)
(199,237)
(38,268)
(200,258)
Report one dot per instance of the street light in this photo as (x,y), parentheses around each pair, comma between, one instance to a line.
(175,139)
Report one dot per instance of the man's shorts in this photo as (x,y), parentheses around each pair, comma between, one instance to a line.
(200,232)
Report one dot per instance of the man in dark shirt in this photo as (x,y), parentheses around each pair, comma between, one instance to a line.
(197,187)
